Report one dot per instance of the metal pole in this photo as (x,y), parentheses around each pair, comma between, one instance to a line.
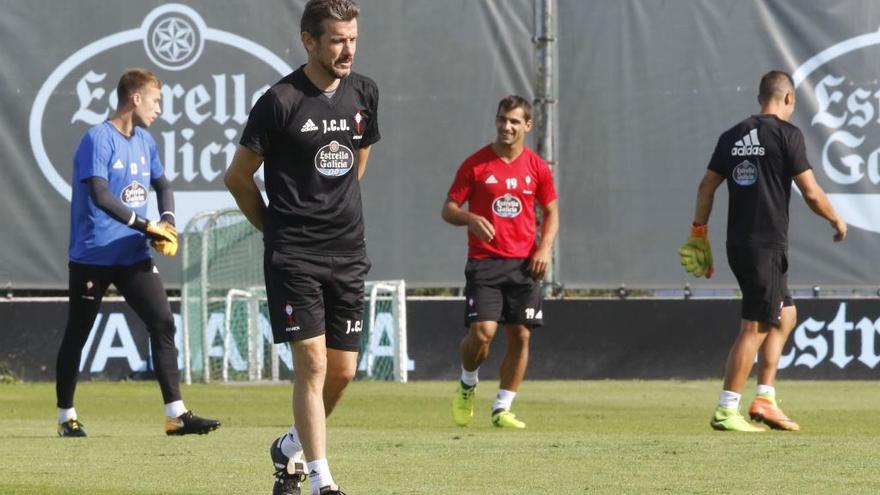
(206,344)
(255,343)
(402,358)
(545,107)
(184,306)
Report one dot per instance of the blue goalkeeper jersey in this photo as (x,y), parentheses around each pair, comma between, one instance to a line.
(128,164)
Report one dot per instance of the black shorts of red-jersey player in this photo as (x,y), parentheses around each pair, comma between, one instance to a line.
(502,290)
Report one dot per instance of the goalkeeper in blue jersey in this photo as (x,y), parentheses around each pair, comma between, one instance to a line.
(115,163)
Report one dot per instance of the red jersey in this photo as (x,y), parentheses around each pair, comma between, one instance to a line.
(503,193)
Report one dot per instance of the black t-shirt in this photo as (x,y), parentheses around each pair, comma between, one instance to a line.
(758,157)
(309,145)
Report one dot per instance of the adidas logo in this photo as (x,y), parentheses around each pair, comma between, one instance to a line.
(492,180)
(748,145)
(309,126)
(118,164)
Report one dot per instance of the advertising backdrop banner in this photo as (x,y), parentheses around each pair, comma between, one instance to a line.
(441,69)
(582,340)
(644,90)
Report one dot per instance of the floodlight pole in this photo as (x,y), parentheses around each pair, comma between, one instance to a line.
(545,108)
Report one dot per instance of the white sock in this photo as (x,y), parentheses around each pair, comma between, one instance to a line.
(319,475)
(766,390)
(469,378)
(503,400)
(290,444)
(175,409)
(729,399)
(66,414)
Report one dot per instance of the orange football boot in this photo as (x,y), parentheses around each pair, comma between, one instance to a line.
(764,409)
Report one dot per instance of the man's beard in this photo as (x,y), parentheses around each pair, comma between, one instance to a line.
(333,71)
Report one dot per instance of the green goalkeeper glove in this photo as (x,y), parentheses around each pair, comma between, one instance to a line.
(696,253)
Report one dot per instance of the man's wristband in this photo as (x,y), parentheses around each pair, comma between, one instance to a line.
(138,223)
(167,217)
(700,230)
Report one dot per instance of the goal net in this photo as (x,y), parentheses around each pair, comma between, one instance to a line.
(226,331)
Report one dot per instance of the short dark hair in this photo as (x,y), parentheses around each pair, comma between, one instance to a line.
(774,84)
(317,11)
(132,81)
(511,102)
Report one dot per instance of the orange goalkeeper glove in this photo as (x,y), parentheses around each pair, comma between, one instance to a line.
(163,237)
(696,253)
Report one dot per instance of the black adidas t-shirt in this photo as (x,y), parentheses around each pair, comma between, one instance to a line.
(309,144)
(758,157)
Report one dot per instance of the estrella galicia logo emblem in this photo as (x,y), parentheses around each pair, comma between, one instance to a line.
(507,206)
(209,86)
(174,39)
(745,174)
(334,159)
(134,195)
(838,91)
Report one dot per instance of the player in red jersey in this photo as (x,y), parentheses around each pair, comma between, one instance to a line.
(500,183)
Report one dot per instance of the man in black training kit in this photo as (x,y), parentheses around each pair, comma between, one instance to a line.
(115,163)
(313,130)
(759,158)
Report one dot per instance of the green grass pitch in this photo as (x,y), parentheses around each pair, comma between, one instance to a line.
(582,438)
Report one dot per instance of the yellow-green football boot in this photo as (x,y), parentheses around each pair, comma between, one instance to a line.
(730,419)
(463,405)
(503,418)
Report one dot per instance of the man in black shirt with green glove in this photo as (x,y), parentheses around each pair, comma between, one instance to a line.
(759,158)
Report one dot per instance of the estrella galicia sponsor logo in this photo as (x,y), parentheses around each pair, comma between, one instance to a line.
(745,174)
(174,40)
(334,159)
(844,341)
(841,123)
(507,206)
(211,79)
(134,195)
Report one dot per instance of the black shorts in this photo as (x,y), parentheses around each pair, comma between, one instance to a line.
(502,290)
(310,295)
(762,274)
